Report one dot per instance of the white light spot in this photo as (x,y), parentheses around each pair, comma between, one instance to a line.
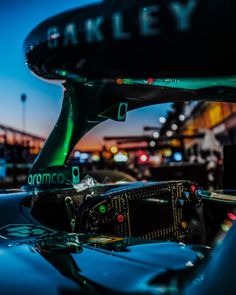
(155,134)
(162,120)
(189,264)
(181,117)
(174,127)
(152,143)
(169,133)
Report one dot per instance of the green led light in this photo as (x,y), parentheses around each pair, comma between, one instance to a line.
(63,73)
(102,209)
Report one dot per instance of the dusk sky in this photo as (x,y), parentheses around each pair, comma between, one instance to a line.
(17,19)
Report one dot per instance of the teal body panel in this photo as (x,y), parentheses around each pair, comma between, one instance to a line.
(32,262)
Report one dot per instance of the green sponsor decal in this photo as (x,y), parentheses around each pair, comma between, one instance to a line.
(23,231)
(54,176)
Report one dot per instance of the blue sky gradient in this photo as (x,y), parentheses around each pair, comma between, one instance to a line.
(17,19)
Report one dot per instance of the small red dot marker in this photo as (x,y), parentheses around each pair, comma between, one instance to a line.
(120,218)
(193,188)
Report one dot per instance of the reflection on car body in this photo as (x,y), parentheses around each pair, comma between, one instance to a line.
(76,235)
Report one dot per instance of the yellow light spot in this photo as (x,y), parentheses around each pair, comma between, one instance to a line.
(114,149)
(184,224)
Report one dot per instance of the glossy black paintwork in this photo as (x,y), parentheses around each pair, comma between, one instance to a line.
(204,46)
(196,51)
(29,265)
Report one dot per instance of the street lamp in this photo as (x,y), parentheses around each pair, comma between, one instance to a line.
(23,100)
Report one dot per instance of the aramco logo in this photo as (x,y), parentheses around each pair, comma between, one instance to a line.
(46,178)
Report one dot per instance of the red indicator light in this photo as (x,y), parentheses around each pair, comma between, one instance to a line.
(119,81)
(143,157)
(231,216)
(193,188)
(120,218)
(150,81)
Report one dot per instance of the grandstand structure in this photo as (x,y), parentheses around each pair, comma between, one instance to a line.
(10,136)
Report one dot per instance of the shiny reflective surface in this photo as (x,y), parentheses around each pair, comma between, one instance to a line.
(133,39)
(61,263)
(85,264)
